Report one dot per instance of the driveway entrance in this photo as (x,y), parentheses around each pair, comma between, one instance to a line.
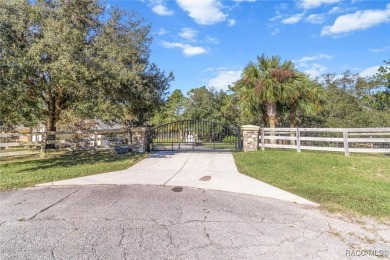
(207,170)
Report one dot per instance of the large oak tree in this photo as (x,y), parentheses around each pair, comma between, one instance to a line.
(59,55)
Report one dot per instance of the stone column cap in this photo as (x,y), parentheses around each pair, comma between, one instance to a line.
(250,128)
(140,128)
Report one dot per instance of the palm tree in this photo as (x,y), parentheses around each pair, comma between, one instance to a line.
(306,97)
(267,83)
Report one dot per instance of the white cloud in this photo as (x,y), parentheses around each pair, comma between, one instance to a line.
(338,10)
(161,10)
(203,11)
(315,18)
(312,58)
(310,4)
(276,17)
(275,31)
(359,20)
(231,22)
(293,19)
(383,49)
(213,69)
(188,49)
(212,40)
(188,33)
(335,10)
(283,6)
(240,1)
(370,71)
(315,70)
(162,31)
(224,78)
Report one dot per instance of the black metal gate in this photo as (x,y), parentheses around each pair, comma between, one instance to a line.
(195,135)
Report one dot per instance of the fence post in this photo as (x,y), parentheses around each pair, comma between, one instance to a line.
(262,139)
(95,140)
(298,137)
(30,138)
(43,145)
(346,147)
(250,134)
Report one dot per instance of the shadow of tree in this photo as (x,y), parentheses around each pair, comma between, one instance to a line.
(74,159)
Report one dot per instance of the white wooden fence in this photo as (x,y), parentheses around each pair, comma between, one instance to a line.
(17,144)
(347,140)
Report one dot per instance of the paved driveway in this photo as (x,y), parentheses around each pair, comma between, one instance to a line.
(206,170)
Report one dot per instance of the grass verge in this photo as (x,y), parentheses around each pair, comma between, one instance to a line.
(358,184)
(28,172)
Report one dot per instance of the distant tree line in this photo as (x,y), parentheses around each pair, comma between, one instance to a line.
(274,94)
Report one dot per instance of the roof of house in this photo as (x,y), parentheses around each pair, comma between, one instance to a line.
(100,125)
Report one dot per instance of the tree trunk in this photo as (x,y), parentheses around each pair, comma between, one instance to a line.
(54,113)
(52,122)
(272,121)
(271,113)
(293,113)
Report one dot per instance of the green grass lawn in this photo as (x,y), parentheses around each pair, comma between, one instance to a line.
(28,172)
(358,184)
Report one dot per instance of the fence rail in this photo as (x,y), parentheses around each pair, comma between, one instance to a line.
(20,144)
(347,140)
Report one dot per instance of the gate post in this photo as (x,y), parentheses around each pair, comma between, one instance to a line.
(250,134)
(140,139)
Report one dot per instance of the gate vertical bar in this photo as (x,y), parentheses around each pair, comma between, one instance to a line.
(238,138)
(187,124)
(193,126)
(213,135)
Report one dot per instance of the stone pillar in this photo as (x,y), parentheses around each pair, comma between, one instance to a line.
(250,136)
(139,139)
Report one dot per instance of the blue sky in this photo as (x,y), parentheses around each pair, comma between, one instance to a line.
(209,42)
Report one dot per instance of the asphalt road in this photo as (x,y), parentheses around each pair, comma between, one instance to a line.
(161,222)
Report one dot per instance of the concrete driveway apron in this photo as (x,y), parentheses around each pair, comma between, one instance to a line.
(205,170)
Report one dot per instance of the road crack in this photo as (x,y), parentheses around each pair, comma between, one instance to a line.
(122,237)
(52,205)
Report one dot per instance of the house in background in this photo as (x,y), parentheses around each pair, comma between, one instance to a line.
(21,136)
(29,134)
(106,141)
(100,125)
